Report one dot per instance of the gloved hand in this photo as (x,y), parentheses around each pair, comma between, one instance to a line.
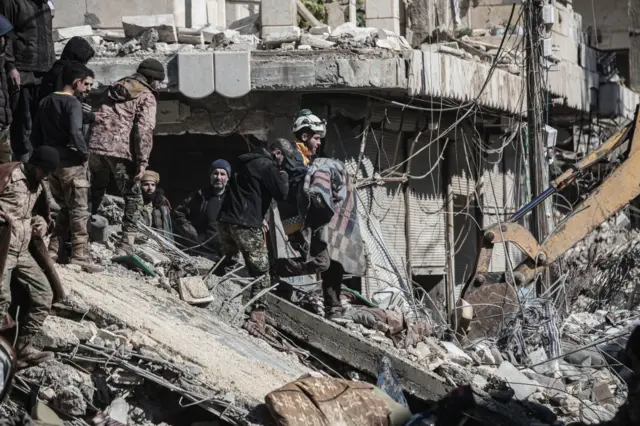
(38,226)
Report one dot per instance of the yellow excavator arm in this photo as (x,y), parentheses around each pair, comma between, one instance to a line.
(494,296)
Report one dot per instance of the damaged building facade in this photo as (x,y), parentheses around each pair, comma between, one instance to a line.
(427,103)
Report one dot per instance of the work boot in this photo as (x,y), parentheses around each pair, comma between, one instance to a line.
(54,247)
(125,247)
(257,322)
(28,355)
(337,315)
(80,256)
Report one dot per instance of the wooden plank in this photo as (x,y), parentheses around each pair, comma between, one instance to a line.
(345,346)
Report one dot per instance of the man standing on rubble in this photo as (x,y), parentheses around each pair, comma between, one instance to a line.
(308,130)
(131,106)
(196,217)
(258,180)
(58,123)
(5,93)
(156,209)
(28,57)
(21,188)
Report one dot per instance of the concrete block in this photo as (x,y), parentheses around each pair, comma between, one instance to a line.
(522,386)
(382,9)
(282,34)
(278,13)
(321,30)
(164,24)
(232,73)
(391,24)
(317,42)
(195,74)
(67,33)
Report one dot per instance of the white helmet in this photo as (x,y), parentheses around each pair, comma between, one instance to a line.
(306,119)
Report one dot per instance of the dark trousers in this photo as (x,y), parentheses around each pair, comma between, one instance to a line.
(25,112)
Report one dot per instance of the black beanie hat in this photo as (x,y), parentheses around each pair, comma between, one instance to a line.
(46,158)
(151,69)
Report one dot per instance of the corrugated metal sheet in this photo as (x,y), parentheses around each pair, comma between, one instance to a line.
(428,248)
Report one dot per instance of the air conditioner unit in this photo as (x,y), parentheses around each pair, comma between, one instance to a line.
(550,135)
(547,47)
(548,15)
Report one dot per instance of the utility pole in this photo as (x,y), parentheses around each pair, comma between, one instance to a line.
(538,167)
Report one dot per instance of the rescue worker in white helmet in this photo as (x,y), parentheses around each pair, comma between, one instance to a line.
(308,130)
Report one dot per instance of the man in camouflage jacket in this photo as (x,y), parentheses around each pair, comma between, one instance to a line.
(121,142)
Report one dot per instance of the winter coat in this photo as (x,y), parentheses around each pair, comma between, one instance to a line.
(32,47)
(255,183)
(131,101)
(78,51)
(196,218)
(158,215)
(5,93)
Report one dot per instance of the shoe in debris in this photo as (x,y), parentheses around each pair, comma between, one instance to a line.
(257,322)
(337,315)
(29,356)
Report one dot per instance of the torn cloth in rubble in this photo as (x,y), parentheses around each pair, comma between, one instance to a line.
(328,201)
(400,329)
(534,328)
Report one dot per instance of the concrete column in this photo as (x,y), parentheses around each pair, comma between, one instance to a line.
(278,19)
(383,14)
(217,13)
(196,13)
(179,13)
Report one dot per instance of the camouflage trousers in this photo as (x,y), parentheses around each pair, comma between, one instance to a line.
(123,171)
(5,145)
(24,270)
(70,188)
(251,243)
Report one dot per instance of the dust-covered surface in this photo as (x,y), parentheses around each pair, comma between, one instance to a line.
(231,360)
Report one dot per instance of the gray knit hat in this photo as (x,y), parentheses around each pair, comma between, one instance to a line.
(152,69)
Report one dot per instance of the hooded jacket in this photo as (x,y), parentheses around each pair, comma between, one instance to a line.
(255,183)
(77,50)
(196,218)
(130,101)
(32,48)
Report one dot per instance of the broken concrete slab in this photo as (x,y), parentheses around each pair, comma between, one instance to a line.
(232,73)
(165,25)
(316,42)
(352,349)
(601,393)
(118,410)
(273,36)
(62,333)
(60,34)
(232,360)
(349,31)
(521,384)
(320,30)
(456,354)
(552,387)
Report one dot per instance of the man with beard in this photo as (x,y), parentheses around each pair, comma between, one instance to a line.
(196,218)
(156,209)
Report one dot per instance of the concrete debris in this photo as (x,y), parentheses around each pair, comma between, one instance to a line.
(60,34)
(148,39)
(165,25)
(276,35)
(521,384)
(315,41)
(456,354)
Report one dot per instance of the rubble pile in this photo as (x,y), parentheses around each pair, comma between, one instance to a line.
(157,34)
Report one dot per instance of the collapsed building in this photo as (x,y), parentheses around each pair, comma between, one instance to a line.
(426,103)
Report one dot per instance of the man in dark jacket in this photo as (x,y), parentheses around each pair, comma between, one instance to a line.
(257,181)
(58,123)
(196,218)
(76,51)
(5,105)
(30,55)
(156,209)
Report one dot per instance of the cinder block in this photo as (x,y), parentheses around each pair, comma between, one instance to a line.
(232,71)
(195,74)
(278,13)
